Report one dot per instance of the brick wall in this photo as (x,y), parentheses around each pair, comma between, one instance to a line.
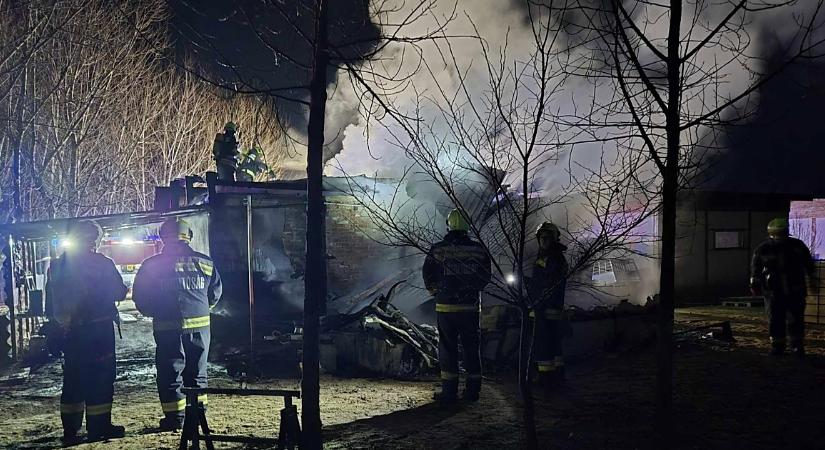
(354,257)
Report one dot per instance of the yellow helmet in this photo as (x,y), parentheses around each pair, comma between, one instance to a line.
(457,222)
(175,230)
(778,227)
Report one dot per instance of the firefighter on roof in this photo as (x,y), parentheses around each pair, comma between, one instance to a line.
(545,288)
(178,288)
(778,271)
(455,271)
(225,152)
(84,286)
(251,165)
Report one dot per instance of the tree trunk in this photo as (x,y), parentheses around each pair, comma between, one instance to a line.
(315,274)
(670,185)
(17,154)
(525,388)
(17,206)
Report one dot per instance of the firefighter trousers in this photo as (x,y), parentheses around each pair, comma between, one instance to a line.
(547,345)
(785,310)
(88,378)
(455,327)
(180,359)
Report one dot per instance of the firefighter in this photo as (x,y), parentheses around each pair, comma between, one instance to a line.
(251,165)
(84,287)
(225,152)
(455,271)
(178,288)
(546,287)
(778,271)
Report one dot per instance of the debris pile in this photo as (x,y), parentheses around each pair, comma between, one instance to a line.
(717,336)
(369,335)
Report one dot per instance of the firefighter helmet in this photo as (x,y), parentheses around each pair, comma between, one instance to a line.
(778,227)
(175,230)
(230,126)
(85,232)
(457,222)
(549,229)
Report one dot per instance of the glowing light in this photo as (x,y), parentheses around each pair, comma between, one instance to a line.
(510,278)
(65,243)
(128,241)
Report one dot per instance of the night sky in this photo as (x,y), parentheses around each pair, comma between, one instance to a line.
(256,44)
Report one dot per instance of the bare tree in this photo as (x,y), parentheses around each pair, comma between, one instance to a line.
(94,117)
(312,40)
(681,70)
(500,153)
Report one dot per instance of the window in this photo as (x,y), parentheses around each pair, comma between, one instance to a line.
(603,273)
(728,239)
(627,270)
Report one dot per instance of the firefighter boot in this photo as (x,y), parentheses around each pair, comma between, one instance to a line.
(106,432)
(559,376)
(171,423)
(448,394)
(72,422)
(797,347)
(472,389)
(70,439)
(777,346)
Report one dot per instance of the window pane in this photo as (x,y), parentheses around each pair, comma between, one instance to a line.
(728,239)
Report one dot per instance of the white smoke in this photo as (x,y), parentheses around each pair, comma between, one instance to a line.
(431,73)
(432,69)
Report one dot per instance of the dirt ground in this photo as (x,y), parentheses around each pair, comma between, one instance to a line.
(727,395)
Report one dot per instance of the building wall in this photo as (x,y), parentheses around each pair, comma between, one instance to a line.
(354,260)
(714,248)
(355,257)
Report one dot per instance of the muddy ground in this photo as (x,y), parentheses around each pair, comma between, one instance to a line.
(727,395)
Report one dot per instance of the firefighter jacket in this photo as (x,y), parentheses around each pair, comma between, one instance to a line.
(548,279)
(455,271)
(225,148)
(250,167)
(83,288)
(177,288)
(779,267)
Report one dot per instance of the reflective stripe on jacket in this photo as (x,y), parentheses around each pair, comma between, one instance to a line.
(177,288)
(456,270)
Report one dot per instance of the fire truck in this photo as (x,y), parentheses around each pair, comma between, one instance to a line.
(128,253)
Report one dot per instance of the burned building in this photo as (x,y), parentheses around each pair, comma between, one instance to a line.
(377,310)
(761,168)
(717,233)
(254,232)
